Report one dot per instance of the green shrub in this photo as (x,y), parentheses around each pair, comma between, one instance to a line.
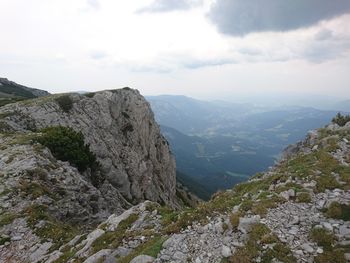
(340,119)
(68,145)
(65,102)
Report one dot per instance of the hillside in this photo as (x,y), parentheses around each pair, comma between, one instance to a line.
(11,92)
(299,211)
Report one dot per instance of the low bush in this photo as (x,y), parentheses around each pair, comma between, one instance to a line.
(65,102)
(340,119)
(68,145)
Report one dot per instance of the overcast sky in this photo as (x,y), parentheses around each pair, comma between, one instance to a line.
(202,48)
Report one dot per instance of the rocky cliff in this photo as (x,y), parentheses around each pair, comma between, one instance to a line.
(299,211)
(43,198)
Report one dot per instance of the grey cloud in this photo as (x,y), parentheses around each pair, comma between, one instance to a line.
(169,5)
(324,34)
(241,17)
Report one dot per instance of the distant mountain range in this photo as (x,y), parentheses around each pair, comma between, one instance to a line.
(11,92)
(218,144)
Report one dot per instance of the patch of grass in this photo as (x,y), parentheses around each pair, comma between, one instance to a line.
(261,234)
(335,256)
(338,211)
(33,189)
(168,215)
(151,248)
(234,220)
(322,237)
(3,240)
(7,218)
(113,239)
(303,197)
(59,232)
(261,207)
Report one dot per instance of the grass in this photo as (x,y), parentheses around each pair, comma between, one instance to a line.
(3,240)
(261,207)
(7,218)
(261,234)
(303,197)
(113,239)
(323,238)
(338,211)
(335,256)
(151,248)
(59,232)
(234,220)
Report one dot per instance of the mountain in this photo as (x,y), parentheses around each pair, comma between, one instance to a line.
(218,143)
(298,211)
(12,92)
(68,161)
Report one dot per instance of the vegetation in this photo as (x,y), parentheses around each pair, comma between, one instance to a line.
(53,229)
(112,239)
(7,218)
(340,119)
(65,102)
(322,237)
(303,197)
(234,220)
(68,145)
(151,248)
(260,235)
(338,211)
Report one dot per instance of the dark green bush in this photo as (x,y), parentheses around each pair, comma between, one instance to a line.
(68,145)
(65,102)
(340,119)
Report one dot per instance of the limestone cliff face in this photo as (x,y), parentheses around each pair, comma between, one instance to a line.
(120,128)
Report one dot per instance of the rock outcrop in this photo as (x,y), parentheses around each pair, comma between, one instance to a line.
(121,131)
(45,202)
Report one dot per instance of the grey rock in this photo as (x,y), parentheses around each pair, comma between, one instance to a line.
(308,248)
(142,259)
(226,251)
(245,223)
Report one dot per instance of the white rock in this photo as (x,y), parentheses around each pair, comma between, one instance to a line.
(226,251)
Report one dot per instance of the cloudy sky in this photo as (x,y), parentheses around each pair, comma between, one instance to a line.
(212,49)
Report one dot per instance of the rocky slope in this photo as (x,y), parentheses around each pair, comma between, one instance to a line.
(44,202)
(299,211)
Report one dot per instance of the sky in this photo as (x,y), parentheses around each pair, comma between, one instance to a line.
(209,49)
